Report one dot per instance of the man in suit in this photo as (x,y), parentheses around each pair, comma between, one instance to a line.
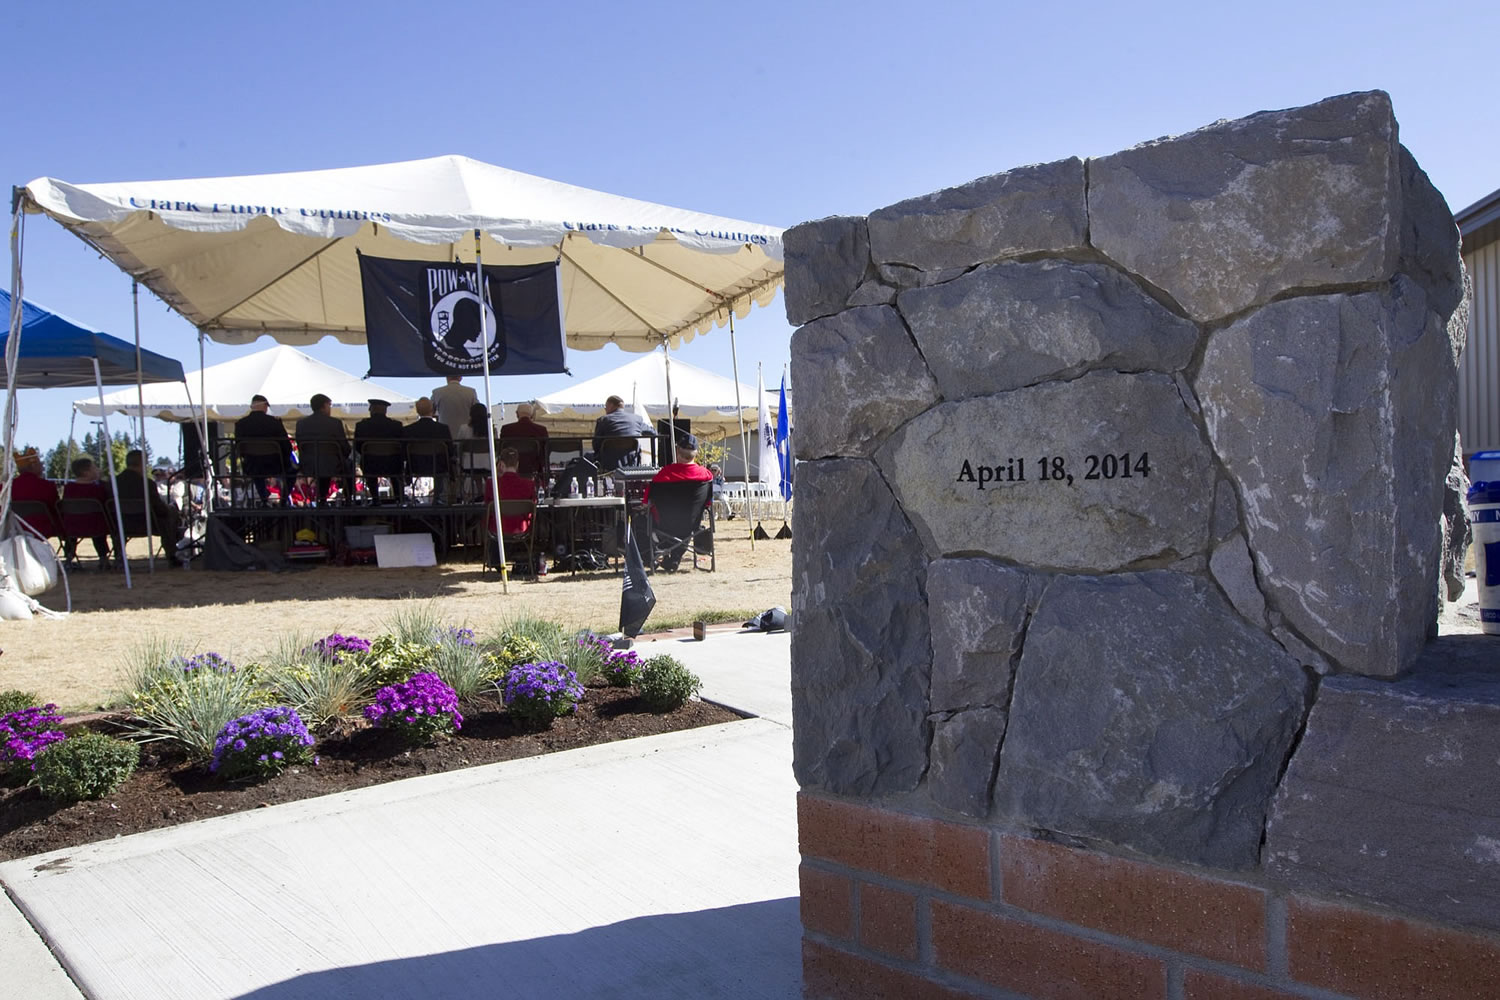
(380,428)
(532,457)
(452,402)
(428,429)
(259,425)
(131,485)
(316,432)
(615,434)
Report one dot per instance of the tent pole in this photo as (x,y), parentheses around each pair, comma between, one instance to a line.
(489,416)
(734,355)
(12,349)
(72,429)
(207,455)
(140,404)
(666,360)
(114,487)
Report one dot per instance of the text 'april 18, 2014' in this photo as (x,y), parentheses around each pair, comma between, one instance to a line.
(1055,469)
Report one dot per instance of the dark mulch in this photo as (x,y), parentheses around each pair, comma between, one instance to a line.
(167,790)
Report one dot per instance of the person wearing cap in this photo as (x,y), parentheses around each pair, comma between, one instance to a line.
(378,427)
(317,429)
(452,402)
(31,485)
(259,425)
(685,470)
(615,435)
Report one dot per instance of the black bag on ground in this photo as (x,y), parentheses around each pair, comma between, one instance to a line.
(773,620)
(226,550)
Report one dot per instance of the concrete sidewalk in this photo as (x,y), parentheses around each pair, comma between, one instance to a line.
(659,867)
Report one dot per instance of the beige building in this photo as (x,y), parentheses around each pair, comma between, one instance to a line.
(1479,374)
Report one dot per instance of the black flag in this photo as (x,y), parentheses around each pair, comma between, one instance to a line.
(422,318)
(636,600)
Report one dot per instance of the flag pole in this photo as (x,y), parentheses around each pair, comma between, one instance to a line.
(734,356)
(489,416)
(140,423)
(666,361)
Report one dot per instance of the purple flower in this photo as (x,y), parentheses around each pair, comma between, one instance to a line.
(455,635)
(536,693)
(25,733)
(204,662)
(420,708)
(337,645)
(261,743)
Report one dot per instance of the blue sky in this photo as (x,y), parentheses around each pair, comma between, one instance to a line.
(775,112)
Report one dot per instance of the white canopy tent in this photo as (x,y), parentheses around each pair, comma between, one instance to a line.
(705,398)
(276,255)
(284,375)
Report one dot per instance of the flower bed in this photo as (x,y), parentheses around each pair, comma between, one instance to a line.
(389,709)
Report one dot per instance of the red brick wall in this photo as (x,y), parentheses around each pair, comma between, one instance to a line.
(902,906)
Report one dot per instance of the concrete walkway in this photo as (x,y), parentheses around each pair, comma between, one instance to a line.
(658,867)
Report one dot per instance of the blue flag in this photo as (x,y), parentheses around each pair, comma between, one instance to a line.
(423,318)
(784,444)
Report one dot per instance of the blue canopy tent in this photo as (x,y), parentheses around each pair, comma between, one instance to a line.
(55,352)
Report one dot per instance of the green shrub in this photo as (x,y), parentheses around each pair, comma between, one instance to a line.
(466,667)
(319,687)
(86,766)
(547,639)
(415,623)
(392,659)
(586,655)
(665,683)
(187,700)
(15,701)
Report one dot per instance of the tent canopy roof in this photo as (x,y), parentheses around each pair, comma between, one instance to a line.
(275,254)
(57,352)
(705,398)
(284,375)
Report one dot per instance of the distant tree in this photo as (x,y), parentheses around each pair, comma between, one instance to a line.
(57,459)
(93,445)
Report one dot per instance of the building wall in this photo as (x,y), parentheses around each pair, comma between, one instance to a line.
(1479,374)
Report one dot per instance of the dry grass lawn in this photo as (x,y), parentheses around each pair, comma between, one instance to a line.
(76,661)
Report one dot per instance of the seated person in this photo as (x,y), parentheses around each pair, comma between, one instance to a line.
(258,424)
(513,486)
(524,426)
(32,486)
(87,484)
(379,427)
(131,484)
(427,429)
(615,436)
(321,428)
(684,470)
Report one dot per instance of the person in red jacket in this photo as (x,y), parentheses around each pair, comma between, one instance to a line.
(513,486)
(31,485)
(685,469)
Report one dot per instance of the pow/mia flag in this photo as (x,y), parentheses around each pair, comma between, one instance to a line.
(423,317)
(636,596)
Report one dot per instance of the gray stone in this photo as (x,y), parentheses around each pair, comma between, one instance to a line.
(1147,714)
(1236,213)
(979,611)
(1458,533)
(857,376)
(965,748)
(1429,239)
(1226,511)
(1097,524)
(861,648)
(1231,566)
(1026,210)
(1334,415)
(1013,324)
(825,262)
(1296,648)
(1391,795)
(873,292)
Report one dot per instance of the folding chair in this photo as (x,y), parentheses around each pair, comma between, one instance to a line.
(531,454)
(322,461)
(39,516)
(132,518)
(83,517)
(383,458)
(524,539)
(264,458)
(430,457)
(674,514)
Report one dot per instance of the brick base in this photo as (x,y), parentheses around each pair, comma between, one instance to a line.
(896,905)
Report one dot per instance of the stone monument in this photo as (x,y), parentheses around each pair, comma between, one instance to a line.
(1114,472)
